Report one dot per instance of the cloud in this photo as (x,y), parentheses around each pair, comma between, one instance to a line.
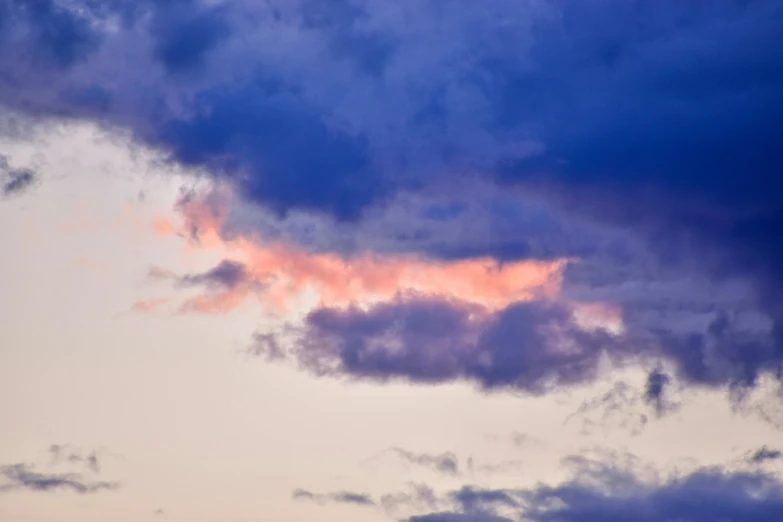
(531,346)
(655,392)
(14,181)
(458,517)
(528,346)
(475,87)
(709,494)
(227,274)
(184,36)
(25,477)
(640,139)
(65,453)
(279,273)
(765,454)
(446,462)
(148,305)
(340,497)
(602,492)
(616,408)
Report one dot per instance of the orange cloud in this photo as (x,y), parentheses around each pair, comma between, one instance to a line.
(278,274)
(148,306)
(163,227)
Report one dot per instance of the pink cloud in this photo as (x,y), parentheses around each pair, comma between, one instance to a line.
(278,274)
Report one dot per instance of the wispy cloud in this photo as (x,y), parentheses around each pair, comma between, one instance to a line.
(446,462)
(25,477)
(148,305)
(28,476)
(340,497)
(70,454)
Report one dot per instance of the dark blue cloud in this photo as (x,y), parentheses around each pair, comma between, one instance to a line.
(184,34)
(57,36)
(277,147)
(703,496)
(617,95)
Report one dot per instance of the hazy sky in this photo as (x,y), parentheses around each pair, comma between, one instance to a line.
(370,260)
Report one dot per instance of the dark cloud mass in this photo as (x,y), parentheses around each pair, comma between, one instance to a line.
(616,93)
(641,137)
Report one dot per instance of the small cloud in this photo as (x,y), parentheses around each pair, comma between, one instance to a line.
(446,462)
(507,466)
(339,497)
(148,306)
(615,408)
(519,439)
(14,181)
(266,345)
(65,453)
(420,498)
(159,512)
(226,275)
(24,476)
(764,454)
(656,391)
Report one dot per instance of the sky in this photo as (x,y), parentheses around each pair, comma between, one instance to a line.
(374,260)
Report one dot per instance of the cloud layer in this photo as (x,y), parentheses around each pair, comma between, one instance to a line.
(606,491)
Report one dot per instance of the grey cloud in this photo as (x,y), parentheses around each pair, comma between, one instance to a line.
(24,477)
(15,181)
(459,517)
(446,462)
(765,454)
(616,408)
(340,497)
(70,454)
(429,340)
(420,497)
